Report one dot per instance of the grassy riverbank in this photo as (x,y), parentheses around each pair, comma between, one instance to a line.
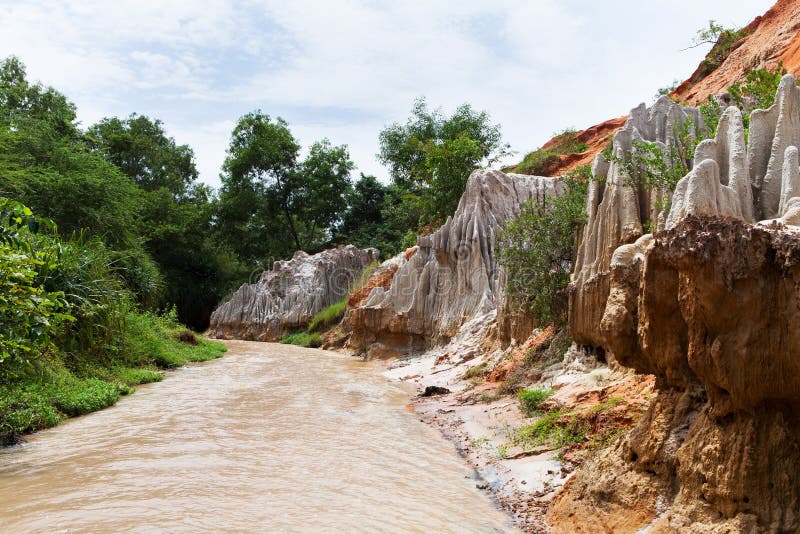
(68,385)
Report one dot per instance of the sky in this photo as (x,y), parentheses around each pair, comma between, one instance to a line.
(343,70)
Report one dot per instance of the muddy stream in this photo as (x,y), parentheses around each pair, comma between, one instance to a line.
(270,438)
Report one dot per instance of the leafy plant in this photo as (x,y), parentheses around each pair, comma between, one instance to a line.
(545,160)
(537,249)
(557,428)
(757,92)
(723,41)
(476,371)
(430,158)
(531,399)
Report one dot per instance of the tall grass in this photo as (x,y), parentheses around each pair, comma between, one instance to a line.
(328,317)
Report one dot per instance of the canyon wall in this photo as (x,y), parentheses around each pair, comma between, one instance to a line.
(288,296)
(710,307)
(451,276)
(618,212)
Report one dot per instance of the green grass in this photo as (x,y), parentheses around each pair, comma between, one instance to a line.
(545,161)
(153,340)
(610,403)
(303,339)
(551,429)
(531,399)
(477,371)
(59,391)
(328,317)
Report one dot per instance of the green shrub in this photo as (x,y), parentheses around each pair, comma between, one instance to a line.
(551,429)
(531,399)
(329,316)
(538,249)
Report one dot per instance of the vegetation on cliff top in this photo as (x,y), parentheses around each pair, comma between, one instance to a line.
(543,161)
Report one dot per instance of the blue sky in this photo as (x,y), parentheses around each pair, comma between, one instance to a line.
(344,69)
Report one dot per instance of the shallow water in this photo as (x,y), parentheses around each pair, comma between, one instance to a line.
(270,438)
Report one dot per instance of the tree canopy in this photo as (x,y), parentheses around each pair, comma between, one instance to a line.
(431,156)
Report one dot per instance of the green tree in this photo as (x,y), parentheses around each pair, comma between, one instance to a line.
(272,204)
(431,156)
(141,149)
(537,249)
(366,220)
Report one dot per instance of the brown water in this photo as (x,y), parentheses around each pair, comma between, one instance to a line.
(270,438)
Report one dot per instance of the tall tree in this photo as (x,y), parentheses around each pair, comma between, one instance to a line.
(431,156)
(140,147)
(272,204)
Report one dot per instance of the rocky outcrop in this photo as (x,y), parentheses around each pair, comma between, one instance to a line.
(453,274)
(759,182)
(711,308)
(618,211)
(289,295)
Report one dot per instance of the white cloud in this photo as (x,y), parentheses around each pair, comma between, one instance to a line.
(344,69)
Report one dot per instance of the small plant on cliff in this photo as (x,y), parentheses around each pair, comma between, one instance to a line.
(757,91)
(558,428)
(530,400)
(329,316)
(723,41)
(543,161)
(477,371)
(537,250)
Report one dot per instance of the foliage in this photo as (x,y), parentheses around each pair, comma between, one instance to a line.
(30,314)
(659,167)
(723,40)
(537,248)
(140,148)
(303,339)
(272,204)
(544,161)
(667,90)
(557,428)
(328,317)
(155,340)
(431,157)
(757,92)
(711,112)
(531,399)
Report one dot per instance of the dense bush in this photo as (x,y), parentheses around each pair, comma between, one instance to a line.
(537,249)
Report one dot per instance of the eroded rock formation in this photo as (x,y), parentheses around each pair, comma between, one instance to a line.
(617,211)
(289,295)
(710,307)
(453,274)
